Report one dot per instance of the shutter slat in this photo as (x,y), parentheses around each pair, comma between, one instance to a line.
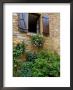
(45,25)
(23,22)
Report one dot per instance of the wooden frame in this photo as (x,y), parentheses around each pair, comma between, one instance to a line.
(2,43)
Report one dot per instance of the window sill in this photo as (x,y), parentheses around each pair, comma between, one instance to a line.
(31,34)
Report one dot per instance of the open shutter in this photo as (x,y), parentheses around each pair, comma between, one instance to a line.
(45,25)
(23,22)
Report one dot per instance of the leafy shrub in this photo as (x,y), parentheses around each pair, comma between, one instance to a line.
(53,56)
(26,70)
(16,66)
(54,65)
(54,69)
(46,64)
(30,56)
(40,68)
(37,40)
(41,64)
(43,54)
(18,50)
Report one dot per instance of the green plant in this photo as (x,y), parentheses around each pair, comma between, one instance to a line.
(46,64)
(53,56)
(43,54)
(26,70)
(30,56)
(37,40)
(54,65)
(40,68)
(54,69)
(18,50)
(16,66)
(40,64)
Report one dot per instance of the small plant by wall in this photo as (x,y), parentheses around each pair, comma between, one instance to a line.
(18,50)
(37,40)
(16,66)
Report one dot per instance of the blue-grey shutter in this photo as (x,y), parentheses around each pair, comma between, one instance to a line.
(23,22)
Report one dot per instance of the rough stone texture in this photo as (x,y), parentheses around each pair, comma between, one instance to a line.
(52,42)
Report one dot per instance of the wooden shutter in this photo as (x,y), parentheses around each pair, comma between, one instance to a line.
(45,25)
(23,22)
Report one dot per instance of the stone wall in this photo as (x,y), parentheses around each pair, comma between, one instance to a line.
(52,42)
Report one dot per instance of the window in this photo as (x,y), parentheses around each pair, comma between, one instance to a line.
(29,22)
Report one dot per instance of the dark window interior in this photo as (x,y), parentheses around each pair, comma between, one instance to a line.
(33,22)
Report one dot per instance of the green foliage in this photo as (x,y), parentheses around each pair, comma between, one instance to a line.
(43,54)
(53,56)
(37,40)
(18,50)
(54,69)
(25,70)
(16,66)
(40,64)
(31,56)
(40,68)
(54,65)
(46,64)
